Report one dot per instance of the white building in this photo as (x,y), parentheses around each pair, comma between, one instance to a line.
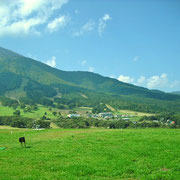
(125,119)
(106,115)
(73,115)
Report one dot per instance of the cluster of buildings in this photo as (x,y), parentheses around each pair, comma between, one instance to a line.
(73,115)
(104,115)
(170,122)
(109,115)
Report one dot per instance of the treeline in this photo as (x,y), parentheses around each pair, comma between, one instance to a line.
(163,118)
(147,105)
(68,123)
(91,99)
(8,102)
(22,122)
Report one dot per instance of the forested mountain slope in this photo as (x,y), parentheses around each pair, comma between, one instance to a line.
(176,92)
(34,80)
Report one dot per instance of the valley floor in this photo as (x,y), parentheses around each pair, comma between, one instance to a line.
(90,154)
(37,114)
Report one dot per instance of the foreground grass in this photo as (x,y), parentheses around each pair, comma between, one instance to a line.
(91,154)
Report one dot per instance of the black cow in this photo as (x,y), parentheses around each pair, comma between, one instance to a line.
(22,140)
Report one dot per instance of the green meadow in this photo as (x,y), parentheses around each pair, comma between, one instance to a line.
(8,111)
(90,154)
(37,114)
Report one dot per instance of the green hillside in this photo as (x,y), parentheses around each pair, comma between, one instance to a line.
(31,81)
(176,92)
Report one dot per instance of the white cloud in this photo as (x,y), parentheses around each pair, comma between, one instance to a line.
(141,80)
(51,62)
(153,82)
(84,62)
(136,58)
(158,81)
(103,23)
(21,27)
(126,79)
(91,69)
(89,26)
(163,76)
(57,23)
(106,17)
(112,76)
(21,17)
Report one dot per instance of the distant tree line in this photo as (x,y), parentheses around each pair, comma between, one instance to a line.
(76,123)
(22,122)
(164,118)
(96,101)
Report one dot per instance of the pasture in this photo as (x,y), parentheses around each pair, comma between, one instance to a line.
(135,113)
(90,154)
(8,111)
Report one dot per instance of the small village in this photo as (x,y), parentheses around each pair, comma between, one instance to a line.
(104,115)
(124,117)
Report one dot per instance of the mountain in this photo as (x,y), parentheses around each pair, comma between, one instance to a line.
(24,78)
(176,92)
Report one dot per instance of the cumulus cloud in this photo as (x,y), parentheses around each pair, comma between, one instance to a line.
(141,80)
(126,79)
(103,23)
(89,26)
(91,69)
(153,82)
(21,17)
(158,81)
(51,62)
(112,76)
(57,23)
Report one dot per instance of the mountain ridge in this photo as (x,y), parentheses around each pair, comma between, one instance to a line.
(38,80)
(176,92)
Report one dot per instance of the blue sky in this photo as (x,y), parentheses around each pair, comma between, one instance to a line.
(135,41)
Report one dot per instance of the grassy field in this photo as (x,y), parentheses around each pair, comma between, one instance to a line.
(8,111)
(140,114)
(90,154)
